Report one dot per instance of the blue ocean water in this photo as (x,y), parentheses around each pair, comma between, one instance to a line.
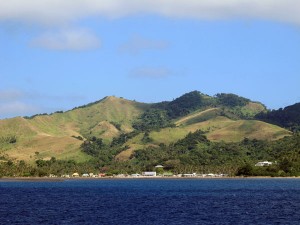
(151,201)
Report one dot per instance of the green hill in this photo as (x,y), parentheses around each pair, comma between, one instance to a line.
(127,126)
(289,117)
(56,135)
(223,129)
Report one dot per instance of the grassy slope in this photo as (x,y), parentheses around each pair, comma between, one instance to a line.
(223,129)
(52,135)
(111,109)
(252,129)
(253,108)
(218,128)
(198,116)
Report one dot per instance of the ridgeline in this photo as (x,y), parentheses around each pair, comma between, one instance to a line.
(224,133)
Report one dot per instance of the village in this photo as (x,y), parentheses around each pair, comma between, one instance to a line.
(143,175)
(158,173)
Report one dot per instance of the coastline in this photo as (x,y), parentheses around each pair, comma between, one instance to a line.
(62,179)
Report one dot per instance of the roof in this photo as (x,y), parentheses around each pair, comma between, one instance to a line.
(159,166)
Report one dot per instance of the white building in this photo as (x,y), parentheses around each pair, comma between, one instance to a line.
(159,166)
(135,175)
(264,163)
(189,175)
(75,175)
(149,174)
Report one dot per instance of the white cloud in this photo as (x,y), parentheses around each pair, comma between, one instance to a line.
(76,39)
(16,108)
(137,44)
(11,95)
(66,11)
(12,103)
(15,102)
(151,72)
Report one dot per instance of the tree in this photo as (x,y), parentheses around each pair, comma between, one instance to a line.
(246,170)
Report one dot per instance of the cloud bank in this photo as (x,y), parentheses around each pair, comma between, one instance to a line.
(76,39)
(68,11)
(137,44)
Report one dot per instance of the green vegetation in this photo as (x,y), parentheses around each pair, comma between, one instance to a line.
(33,116)
(152,119)
(229,105)
(102,153)
(289,117)
(194,153)
(193,133)
(231,100)
(45,168)
(186,104)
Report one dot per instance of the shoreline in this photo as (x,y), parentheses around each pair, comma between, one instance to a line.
(62,179)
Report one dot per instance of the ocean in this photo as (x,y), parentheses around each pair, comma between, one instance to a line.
(151,201)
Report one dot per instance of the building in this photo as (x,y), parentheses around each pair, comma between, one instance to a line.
(189,175)
(159,166)
(135,175)
(264,163)
(65,175)
(75,175)
(149,174)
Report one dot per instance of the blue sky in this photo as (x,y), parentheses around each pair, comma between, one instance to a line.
(56,55)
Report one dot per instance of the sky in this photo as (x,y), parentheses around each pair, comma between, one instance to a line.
(59,54)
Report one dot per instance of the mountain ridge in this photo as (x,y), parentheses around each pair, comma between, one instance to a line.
(61,134)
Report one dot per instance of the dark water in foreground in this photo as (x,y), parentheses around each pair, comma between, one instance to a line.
(151,201)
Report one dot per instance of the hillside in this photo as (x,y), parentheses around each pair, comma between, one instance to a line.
(56,135)
(289,117)
(127,126)
(223,129)
(218,128)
